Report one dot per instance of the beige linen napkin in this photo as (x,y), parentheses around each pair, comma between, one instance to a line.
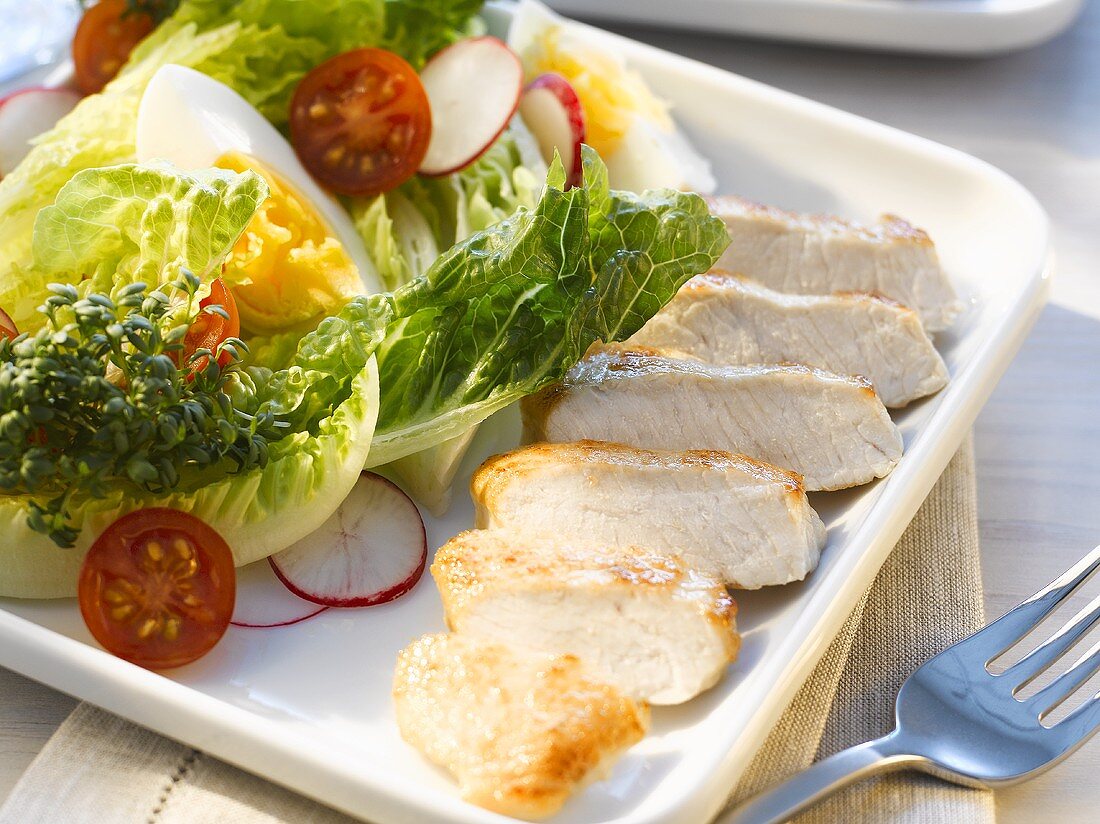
(927,595)
(99,769)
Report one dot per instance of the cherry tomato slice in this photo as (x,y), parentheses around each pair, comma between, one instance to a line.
(157,588)
(106,35)
(361,122)
(209,330)
(7,326)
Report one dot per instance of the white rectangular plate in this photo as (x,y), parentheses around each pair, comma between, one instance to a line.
(308,706)
(968,27)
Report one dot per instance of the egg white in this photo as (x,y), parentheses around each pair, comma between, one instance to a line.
(191,121)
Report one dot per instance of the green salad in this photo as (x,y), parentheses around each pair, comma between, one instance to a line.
(210,336)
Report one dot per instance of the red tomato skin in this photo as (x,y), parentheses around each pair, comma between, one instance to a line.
(158,588)
(7,326)
(360,122)
(104,39)
(207,331)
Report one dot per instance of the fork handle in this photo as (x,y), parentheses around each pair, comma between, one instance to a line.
(825,777)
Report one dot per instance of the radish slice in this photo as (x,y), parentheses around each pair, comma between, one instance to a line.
(473,88)
(553,112)
(263,602)
(372,550)
(26,114)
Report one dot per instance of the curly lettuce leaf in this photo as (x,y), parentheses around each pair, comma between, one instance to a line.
(272,43)
(272,352)
(126,224)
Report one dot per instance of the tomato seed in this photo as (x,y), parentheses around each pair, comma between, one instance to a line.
(148,626)
(334,155)
(183,549)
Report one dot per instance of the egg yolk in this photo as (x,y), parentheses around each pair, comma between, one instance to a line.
(611,95)
(287,270)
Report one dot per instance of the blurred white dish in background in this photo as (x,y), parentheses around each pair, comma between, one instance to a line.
(34,34)
(960,27)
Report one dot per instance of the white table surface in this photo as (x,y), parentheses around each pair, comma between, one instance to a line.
(1037,115)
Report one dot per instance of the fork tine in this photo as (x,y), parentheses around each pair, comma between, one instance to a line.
(1032,664)
(1080,724)
(1019,621)
(1058,690)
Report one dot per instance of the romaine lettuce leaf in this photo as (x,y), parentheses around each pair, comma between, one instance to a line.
(404,230)
(509,311)
(397,236)
(258,512)
(495,185)
(511,308)
(416,243)
(428,475)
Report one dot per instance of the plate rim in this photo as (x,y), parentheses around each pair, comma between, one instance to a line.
(287,755)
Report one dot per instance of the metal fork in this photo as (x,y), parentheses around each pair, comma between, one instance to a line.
(961,723)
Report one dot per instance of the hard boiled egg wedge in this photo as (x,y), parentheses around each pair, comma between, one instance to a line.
(300,259)
(625,122)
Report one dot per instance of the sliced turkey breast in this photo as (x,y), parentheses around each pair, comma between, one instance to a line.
(726,319)
(519,730)
(818,255)
(739,520)
(832,430)
(642,621)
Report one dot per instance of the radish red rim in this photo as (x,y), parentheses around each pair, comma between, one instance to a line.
(287,623)
(383,597)
(552,110)
(382,556)
(264,602)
